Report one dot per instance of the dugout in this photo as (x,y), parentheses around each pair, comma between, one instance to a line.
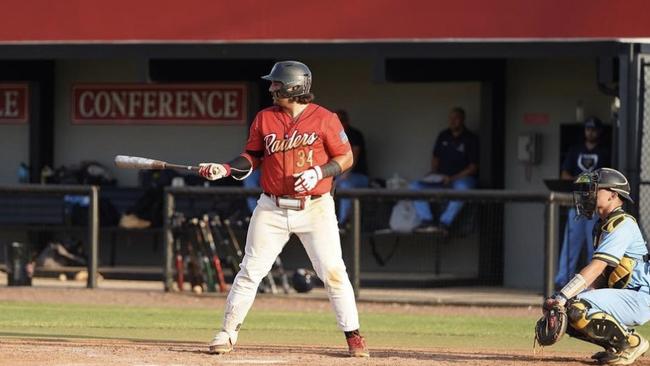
(516,68)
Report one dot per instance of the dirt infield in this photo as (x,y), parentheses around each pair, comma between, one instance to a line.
(111,352)
(81,351)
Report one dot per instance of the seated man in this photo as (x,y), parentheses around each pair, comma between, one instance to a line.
(357,176)
(454,164)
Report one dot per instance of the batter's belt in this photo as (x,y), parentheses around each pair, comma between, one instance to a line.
(291,202)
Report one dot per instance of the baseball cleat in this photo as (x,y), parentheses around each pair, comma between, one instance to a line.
(221,344)
(628,356)
(357,346)
(604,357)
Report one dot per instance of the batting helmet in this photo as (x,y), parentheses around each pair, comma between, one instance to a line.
(294,76)
(302,280)
(590,182)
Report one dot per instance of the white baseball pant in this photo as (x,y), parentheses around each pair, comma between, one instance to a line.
(268,232)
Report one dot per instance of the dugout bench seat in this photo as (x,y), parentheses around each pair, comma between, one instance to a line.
(40,213)
(384,242)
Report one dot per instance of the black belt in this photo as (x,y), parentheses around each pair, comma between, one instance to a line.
(312,197)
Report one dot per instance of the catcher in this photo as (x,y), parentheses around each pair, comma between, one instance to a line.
(611,294)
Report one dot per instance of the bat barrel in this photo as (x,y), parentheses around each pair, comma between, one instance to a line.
(136,162)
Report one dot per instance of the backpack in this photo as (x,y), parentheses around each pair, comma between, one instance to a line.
(404,218)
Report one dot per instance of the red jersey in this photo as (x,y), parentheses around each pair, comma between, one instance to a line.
(287,147)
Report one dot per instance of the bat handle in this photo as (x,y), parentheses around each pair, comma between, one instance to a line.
(183,167)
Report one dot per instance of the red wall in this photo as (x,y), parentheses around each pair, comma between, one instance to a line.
(248,20)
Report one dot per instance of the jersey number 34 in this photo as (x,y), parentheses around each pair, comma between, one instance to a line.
(305,158)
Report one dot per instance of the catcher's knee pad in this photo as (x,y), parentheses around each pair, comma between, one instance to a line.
(599,328)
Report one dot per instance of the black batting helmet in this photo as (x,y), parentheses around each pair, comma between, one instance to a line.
(294,76)
(302,280)
(589,183)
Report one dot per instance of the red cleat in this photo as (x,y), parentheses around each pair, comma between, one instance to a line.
(357,346)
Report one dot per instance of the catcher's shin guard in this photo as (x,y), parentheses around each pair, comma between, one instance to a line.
(598,328)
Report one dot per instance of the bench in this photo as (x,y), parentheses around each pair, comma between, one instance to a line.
(48,213)
(375,229)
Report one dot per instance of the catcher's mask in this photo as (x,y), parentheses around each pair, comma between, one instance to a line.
(294,76)
(589,183)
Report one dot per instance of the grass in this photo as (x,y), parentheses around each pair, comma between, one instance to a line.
(27,320)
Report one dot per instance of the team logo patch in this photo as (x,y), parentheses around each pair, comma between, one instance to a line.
(343,136)
(587,162)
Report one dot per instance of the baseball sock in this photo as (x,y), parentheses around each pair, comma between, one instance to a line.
(351,334)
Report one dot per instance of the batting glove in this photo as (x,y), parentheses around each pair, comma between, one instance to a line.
(212,171)
(307,180)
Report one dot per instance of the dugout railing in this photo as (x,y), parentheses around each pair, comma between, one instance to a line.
(32,214)
(359,233)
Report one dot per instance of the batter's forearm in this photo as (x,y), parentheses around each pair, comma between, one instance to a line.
(241,167)
(337,165)
(254,157)
(241,163)
(331,169)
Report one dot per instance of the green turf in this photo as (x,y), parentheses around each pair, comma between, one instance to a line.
(269,327)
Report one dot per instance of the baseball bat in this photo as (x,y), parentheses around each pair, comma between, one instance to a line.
(136,162)
(212,249)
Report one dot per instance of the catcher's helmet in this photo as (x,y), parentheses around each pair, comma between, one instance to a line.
(294,76)
(302,280)
(589,183)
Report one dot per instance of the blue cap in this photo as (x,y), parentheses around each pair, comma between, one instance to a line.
(593,122)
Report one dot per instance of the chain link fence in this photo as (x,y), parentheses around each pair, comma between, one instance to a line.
(644,181)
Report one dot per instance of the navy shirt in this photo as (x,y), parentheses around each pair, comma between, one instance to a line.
(579,159)
(455,153)
(356,140)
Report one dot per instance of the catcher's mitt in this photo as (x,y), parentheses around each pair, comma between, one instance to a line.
(550,327)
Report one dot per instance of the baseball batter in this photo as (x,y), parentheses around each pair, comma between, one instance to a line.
(300,147)
(612,293)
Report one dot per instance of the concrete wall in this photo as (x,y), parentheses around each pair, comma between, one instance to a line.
(14,149)
(182,144)
(403,117)
(540,86)
(400,120)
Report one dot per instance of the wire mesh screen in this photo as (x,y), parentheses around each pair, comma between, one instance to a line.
(644,188)
(466,250)
(470,240)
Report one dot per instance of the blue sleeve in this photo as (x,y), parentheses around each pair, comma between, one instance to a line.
(615,243)
(569,163)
